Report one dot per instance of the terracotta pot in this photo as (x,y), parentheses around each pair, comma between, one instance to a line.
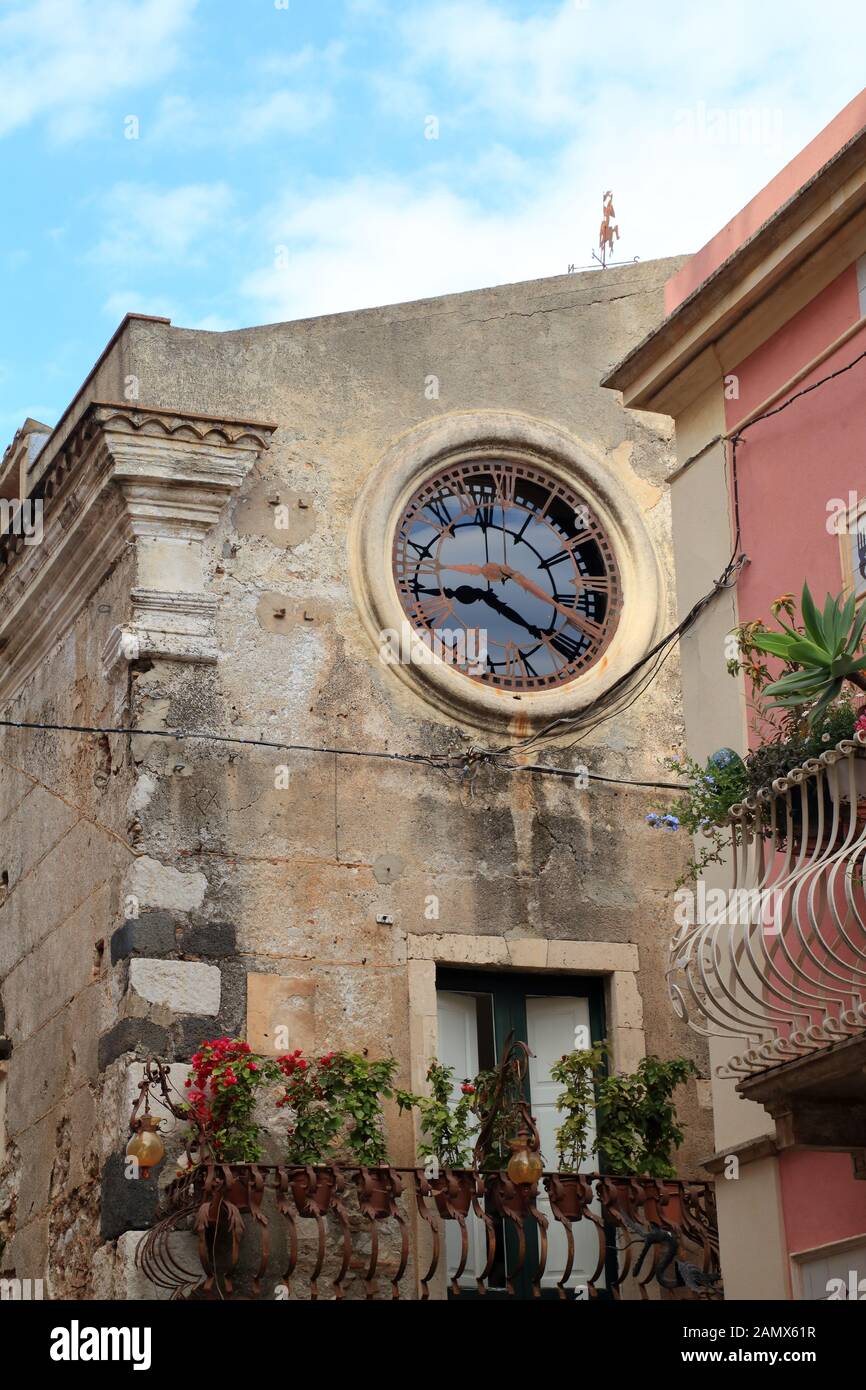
(453,1192)
(511,1198)
(237,1193)
(569,1194)
(377,1190)
(672,1208)
(313,1189)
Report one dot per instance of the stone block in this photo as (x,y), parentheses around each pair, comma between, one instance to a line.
(150,934)
(128,1283)
(127,1204)
(27,1251)
(212,939)
(281,1013)
(132,1035)
(184,986)
(527,954)
(157,885)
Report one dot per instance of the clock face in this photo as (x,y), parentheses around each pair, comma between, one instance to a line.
(507,574)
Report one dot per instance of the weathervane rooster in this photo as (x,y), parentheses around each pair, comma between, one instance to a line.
(608,229)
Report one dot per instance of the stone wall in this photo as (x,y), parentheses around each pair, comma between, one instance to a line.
(252,899)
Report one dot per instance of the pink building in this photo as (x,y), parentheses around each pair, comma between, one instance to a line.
(768,469)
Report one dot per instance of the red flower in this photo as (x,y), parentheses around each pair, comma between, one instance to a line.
(467,1089)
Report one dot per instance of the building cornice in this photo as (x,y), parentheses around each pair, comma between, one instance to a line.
(824,220)
(127,476)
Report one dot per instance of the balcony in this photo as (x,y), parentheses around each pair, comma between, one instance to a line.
(779,960)
(264,1231)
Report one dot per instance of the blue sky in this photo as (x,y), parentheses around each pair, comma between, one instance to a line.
(283,164)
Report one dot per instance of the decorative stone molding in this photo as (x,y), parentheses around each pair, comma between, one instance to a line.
(495,434)
(127,476)
(617,961)
(172,626)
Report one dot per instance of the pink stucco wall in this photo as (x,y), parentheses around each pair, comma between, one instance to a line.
(790,465)
(788,468)
(771,197)
(821,1199)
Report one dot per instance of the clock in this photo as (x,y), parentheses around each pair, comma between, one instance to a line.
(507,574)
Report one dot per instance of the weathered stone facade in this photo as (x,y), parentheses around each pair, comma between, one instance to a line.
(159,891)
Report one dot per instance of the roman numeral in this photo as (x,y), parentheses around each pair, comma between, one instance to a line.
(569,647)
(440,511)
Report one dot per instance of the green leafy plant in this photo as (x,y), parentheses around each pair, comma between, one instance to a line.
(727,779)
(356,1086)
(222,1095)
(577,1073)
(657,1123)
(311,1094)
(447,1125)
(636,1121)
(822,654)
(712,789)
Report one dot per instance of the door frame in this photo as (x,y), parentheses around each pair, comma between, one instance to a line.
(509,990)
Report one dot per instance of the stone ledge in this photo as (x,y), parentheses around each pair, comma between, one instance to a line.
(526,953)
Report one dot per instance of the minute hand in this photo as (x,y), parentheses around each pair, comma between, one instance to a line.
(494,572)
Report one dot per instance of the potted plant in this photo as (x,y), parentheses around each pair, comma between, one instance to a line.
(447,1126)
(821,656)
(222,1092)
(797,717)
(576,1073)
(309,1093)
(336,1116)
(636,1122)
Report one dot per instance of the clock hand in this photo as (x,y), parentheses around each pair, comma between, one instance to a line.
(465,593)
(494,572)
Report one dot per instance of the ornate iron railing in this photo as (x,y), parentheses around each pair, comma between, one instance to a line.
(780,960)
(346,1232)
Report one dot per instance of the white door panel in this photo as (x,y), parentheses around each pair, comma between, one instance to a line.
(555,1025)
(458,1048)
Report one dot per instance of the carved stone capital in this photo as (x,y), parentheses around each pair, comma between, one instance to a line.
(126,476)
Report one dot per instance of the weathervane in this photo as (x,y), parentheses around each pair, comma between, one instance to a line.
(607,231)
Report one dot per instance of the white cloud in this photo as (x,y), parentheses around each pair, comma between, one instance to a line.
(553,70)
(240,120)
(144,224)
(686,114)
(376,242)
(282,113)
(63,58)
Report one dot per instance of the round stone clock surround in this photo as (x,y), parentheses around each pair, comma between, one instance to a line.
(531,448)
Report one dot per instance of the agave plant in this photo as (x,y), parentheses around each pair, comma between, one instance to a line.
(826,654)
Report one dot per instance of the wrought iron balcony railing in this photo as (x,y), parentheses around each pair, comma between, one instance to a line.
(265,1231)
(780,959)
